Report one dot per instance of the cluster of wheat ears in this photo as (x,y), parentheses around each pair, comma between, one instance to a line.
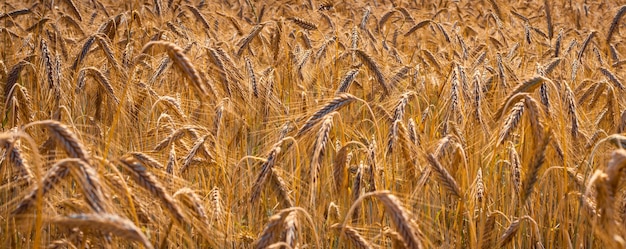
(307,124)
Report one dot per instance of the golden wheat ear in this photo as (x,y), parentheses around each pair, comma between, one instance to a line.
(182,62)
(336,103)
(147,180)
(106,224)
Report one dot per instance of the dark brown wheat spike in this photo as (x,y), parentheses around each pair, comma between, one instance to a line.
(74,9)
(197,146)
(246,40)
(217,60)
(385,17)
(585,44)
(83,52)
(12,78)
(347,80)
(82,171)
(612,78)
(200,17)
(417,26)
(89,180)
(47,61)
(105,45)
(570,102)
(356,188)
(303,23)
(336,103)
(15,13)
(105,223)
(614,23)
(17,158)
(183,63)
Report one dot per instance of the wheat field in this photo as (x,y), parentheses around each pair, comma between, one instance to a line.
(312,124)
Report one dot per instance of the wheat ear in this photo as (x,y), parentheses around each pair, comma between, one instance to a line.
(336,103)
(614,23)
(147,180)
(374,68)
(183,63)
(105,223)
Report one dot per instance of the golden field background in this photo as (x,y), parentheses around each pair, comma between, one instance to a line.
(310,124)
